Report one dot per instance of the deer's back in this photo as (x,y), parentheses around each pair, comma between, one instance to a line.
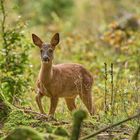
(69,80)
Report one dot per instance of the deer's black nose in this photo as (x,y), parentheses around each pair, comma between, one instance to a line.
(46,58)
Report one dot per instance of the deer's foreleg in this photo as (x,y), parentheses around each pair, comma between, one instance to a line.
(38,100)
(53,105)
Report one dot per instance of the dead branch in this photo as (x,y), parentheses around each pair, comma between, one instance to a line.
(110,126)
(28,110)
(46,117)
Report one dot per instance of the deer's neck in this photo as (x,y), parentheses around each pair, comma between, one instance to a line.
(46,72)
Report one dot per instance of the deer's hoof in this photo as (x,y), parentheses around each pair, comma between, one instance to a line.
(51,118)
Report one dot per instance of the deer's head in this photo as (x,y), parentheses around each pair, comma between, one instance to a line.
(46,49)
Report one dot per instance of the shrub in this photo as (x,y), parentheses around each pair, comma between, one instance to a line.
(14,63)
(43,11)
(62,7)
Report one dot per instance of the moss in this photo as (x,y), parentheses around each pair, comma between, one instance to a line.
(54,137)
(43,126)
(80,115)
(78,118)
(4,113)
(4,110)
(24,133)
(61,132)
(17,118)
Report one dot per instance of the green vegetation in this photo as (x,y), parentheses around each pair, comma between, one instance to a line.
(14,60)
(61,132)
(24,133)
(136,134)
(104,36)
(79,116)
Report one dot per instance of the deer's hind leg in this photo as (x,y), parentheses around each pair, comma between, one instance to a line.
(70,103)
(86,97)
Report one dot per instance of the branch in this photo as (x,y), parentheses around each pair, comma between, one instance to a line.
(26,110)
(110,126)
(46,117)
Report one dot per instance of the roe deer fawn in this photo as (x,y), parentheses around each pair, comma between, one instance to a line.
(62,80)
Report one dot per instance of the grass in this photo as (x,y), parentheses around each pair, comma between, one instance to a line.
(87,39)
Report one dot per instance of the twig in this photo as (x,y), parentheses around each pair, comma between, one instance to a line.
(110,126)
(34,112)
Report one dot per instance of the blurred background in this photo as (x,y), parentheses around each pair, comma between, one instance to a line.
(94,33)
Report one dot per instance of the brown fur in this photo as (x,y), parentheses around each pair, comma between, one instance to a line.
(67,81)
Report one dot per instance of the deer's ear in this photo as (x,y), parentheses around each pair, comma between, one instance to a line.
(55,39)
(37,41)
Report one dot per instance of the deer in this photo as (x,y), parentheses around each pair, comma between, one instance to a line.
(66,80)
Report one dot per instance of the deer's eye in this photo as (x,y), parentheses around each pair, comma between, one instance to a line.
(41,51)
(50,51)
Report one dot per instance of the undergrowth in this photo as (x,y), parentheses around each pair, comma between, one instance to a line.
(106,43)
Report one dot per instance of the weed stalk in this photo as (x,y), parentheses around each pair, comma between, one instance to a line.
(112,92)
(105,91)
